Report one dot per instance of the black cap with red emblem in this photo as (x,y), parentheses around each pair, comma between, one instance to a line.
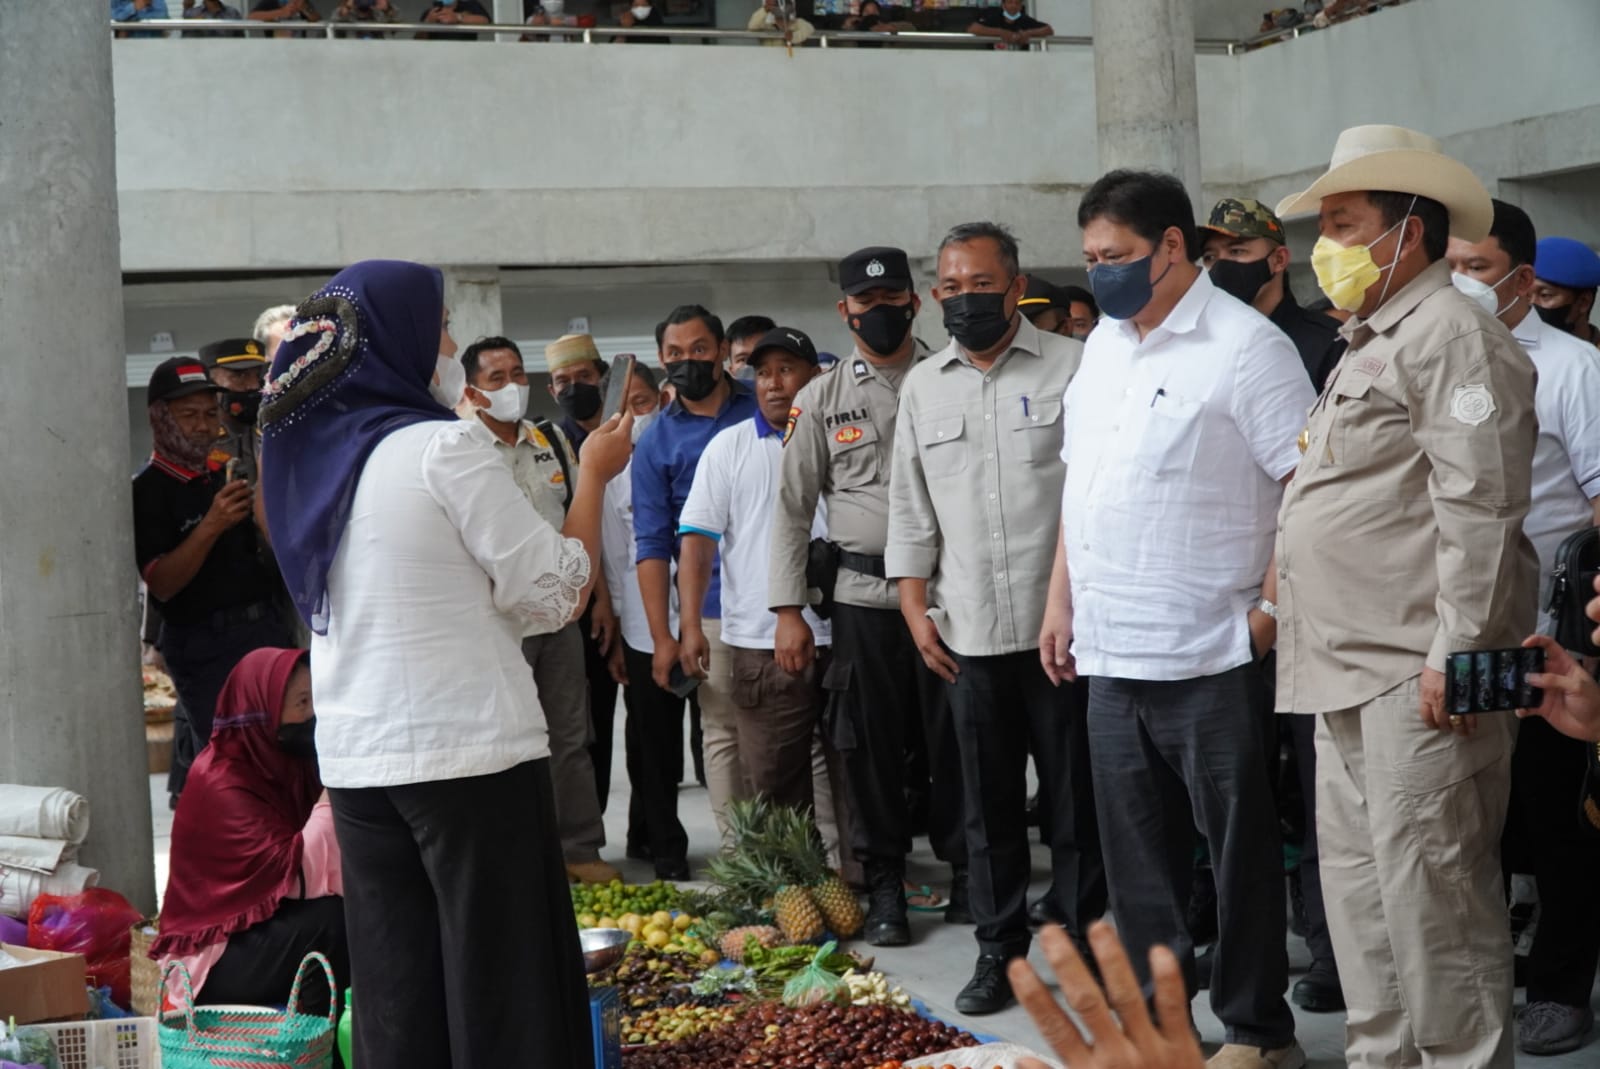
(179,377)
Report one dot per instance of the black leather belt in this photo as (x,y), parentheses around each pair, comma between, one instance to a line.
(861,562)
(237,615)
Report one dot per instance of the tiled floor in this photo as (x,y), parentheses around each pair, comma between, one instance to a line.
(940,959)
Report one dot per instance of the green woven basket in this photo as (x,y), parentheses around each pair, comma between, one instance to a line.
(247,1037)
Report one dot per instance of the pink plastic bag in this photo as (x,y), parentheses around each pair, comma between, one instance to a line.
(97,924)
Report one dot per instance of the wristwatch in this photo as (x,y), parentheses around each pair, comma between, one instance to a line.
(1268,607)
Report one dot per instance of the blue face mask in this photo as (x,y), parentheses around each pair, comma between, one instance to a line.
(1011,16)
(1122,290)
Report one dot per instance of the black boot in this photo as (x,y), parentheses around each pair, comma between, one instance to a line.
(1319,990)
(959,911)
(886,905)
(989,991)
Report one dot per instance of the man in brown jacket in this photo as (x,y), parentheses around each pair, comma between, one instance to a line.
(1399,542)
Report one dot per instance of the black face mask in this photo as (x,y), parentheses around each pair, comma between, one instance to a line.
(695,380)
(1241,280)
(977,321)
(1556,317)
(299,740)
(883,327)
(579,400)
(242,406)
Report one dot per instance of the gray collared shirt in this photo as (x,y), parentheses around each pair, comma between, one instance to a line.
(975,494)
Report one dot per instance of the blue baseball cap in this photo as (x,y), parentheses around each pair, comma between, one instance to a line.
(1567,262)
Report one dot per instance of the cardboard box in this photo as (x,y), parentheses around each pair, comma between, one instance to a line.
(50,987)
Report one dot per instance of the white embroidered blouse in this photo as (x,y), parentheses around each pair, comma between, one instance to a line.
(443,566)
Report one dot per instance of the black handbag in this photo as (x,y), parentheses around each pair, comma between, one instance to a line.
(1571,587)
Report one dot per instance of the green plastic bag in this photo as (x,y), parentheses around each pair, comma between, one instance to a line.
(815,985)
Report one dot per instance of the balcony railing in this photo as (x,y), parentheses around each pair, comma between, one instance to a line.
(329,30)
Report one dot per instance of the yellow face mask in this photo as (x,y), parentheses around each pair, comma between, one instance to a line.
(1346,273)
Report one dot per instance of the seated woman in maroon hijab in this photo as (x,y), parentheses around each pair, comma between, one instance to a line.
(254,883)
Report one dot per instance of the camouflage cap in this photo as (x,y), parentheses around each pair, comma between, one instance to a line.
(1245,218)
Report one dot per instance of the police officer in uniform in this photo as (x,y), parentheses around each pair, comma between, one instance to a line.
(839,446)
(237,366)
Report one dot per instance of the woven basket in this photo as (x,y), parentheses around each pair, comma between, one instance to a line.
(248,1037)
(144,973)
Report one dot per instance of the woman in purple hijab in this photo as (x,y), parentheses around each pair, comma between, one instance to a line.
(419,564)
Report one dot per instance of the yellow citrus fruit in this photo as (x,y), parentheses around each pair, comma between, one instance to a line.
(682,922)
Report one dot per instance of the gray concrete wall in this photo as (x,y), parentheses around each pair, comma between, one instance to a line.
(70,707)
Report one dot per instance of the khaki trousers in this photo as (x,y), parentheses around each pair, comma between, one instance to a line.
(719,728)
(1408,824)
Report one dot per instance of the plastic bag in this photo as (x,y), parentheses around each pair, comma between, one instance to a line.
(27,1047)
(14,932)
(814,984)
(97,924)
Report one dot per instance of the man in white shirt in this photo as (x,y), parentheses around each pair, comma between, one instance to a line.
(654,727)
(544,466)
(1180,429)
(731,507)
(1547,769)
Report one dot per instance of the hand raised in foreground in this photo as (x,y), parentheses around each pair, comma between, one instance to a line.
(607,449)
(1135,1043)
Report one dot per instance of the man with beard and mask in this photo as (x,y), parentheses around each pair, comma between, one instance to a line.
(577,376)
(1400,541)
(202,561)
(237,365)
(1568,274)
(1547,770)
(1247,258)
(743,334)
(1179,434)
(693,351)
(839,449)
(545,469)
(1246,255)
(977,475)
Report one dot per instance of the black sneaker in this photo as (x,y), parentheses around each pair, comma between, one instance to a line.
(1319,990)
(959,911)
(886,925)
(676,869)
(1045,911)
(989,991)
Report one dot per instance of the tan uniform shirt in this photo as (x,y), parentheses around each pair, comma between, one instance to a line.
(839,447)
(537,468)
(1400,537)
(975,499)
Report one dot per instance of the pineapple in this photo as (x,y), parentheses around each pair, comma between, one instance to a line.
(798,916)
(794,837)
(733,943)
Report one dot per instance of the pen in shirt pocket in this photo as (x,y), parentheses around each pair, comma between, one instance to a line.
(1161,391)
(1024,406)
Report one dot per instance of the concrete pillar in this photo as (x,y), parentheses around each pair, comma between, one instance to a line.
(473,296)
(1146,107)
(507,13)
(70,709)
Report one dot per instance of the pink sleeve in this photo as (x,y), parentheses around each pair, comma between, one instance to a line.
(319,862)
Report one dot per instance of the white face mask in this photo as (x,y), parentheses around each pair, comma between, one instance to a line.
(1482,292)
(641,422)
(449,381)
(641,12)
(509,403)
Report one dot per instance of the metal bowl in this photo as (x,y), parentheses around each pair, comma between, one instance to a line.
(602,948)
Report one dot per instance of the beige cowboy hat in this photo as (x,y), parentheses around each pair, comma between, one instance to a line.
(1404,161)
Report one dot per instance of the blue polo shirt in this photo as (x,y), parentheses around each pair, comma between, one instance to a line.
(664,462)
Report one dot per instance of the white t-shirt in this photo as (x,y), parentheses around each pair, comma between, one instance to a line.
(731,500)
(619,552)
(1174,449)
(442,567)
(1566,458)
